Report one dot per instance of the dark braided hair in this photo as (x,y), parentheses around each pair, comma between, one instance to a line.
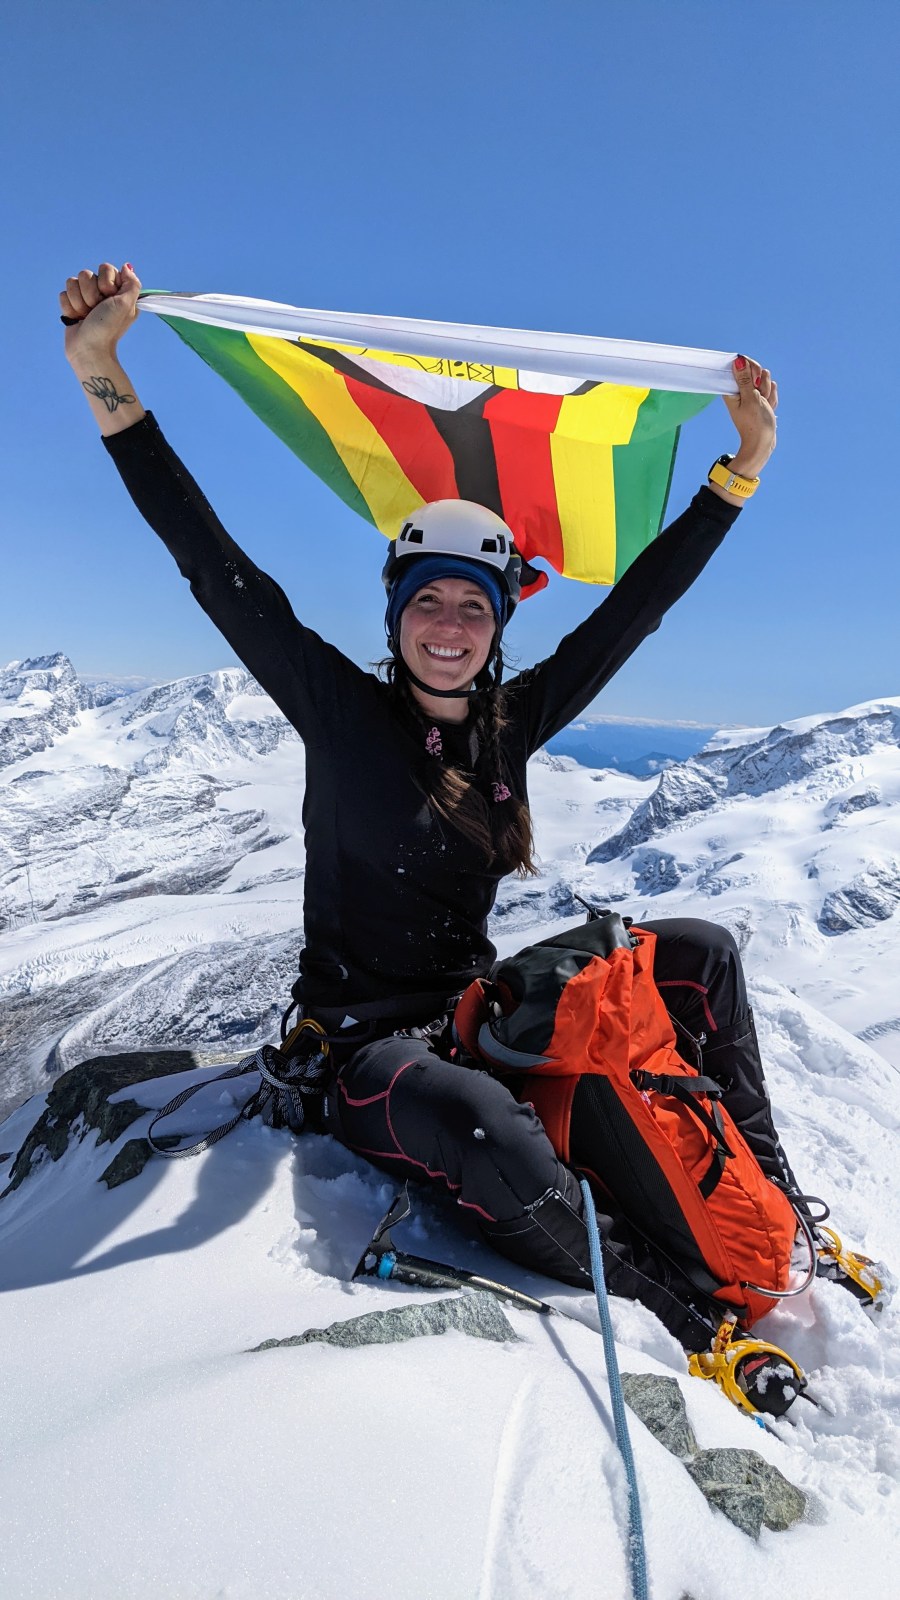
(480,806)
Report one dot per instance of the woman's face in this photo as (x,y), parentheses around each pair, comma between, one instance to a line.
(446,633)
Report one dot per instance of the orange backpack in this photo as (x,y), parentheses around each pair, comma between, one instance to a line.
(579,1022)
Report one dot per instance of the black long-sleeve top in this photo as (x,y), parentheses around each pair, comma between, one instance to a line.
(395,900)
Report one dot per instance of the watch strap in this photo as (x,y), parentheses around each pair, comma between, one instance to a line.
(720,473)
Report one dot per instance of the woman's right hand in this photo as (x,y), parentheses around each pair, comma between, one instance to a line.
(104,305)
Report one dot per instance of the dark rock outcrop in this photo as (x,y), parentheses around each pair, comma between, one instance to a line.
(872,896)
(47,697)
(740,1483)
(819,751)
(477,1314)
(659,1403)
(79,1103)
(681,793)
(752,1493)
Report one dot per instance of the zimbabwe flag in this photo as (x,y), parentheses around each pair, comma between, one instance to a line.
(570,439)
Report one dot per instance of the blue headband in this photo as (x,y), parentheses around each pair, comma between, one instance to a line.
(418,571)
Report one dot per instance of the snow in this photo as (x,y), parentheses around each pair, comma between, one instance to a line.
(145,1453)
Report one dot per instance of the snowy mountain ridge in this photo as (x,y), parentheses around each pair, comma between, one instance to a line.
(151,861)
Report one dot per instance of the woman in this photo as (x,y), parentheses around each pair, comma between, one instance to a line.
(416,806)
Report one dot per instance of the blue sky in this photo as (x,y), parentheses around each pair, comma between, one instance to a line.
(716,174)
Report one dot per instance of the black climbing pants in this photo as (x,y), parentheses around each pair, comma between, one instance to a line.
(399,1104)
(697,970)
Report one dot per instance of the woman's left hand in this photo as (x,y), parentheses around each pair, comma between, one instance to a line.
(752,411)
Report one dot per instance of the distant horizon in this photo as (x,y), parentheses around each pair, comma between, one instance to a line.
(586,721)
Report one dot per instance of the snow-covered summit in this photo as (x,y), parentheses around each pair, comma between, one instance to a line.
(170,1460)
(40,699)
(817,751)
(789,836)
(203,722)
(196,722)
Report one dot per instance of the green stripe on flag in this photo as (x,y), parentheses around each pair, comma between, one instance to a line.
(275,403)
(642,470)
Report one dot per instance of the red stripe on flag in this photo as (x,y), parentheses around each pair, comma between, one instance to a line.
(411,437)
(521,425)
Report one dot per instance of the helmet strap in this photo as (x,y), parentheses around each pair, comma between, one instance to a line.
(438,694)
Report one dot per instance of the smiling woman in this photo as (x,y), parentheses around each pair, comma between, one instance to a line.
(416,806)
(446,634)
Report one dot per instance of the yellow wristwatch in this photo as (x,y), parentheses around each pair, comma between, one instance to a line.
(720,473)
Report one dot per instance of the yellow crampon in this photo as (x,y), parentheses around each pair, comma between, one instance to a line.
(752,1374)
(857,1271)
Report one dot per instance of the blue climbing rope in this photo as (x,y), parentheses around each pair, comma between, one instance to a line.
(637,1553)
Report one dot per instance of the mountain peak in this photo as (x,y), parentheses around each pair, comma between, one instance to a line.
(40,699)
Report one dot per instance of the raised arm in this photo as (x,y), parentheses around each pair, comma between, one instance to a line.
(98,308)
(752,410)
(548,696)
(314,684)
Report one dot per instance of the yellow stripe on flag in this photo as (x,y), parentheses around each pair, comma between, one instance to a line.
(479,372)
(581,451)
(382,483)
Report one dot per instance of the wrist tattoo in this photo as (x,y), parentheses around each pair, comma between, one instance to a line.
(104,389)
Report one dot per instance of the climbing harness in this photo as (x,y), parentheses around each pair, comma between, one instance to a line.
(292,1079)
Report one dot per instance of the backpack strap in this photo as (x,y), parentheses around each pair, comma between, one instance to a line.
(687,1089)
(470,1013)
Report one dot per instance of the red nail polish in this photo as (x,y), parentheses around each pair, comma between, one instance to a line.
(740,363)
(757,381)
(129,266)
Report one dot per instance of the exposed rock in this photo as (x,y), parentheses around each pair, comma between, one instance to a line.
(154,815)
(79,1103)
(193,722)
(681,793)
(872,896)
(82,843)
(660,1405)
(862,800)
(478,1314)
(223,999)
(750,1491)
(40,699)
(813,750)
(517,907)
(105,690)
(655,871)
(741,1504)
(716,879)
(739,1483)
(128,1162)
